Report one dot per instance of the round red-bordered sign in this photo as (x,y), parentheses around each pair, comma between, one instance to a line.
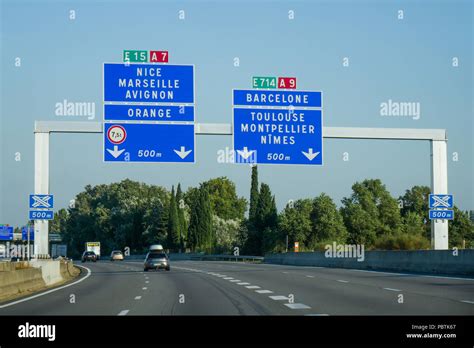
(116,134)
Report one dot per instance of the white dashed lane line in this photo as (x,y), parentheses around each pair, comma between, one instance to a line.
(264,291)
(124,312)
(309,276)
(279,298)
(467,301)
(243,283)
(317,315)
(235,280)
(147,281)
(390,289)
(253,287)
(342,281)
(228,278)
(144,288)
(297,306)
(138,297)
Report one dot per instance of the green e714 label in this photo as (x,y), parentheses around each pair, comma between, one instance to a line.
(264,82)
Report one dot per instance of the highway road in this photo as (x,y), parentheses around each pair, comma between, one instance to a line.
(229,288)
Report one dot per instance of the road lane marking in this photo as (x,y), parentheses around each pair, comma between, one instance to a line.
(342,281)
(308,276)
(285,272)
(410,274)
(235,280)
(243,283)
(138,297)
(253,287)
(390,289)
(264,291)
(147,281)
(124,312)
(145,288)
(466,301)
(50,291)
(297,306)
(279,298)
(317,315)
(228,278)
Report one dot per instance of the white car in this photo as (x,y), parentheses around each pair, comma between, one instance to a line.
(116,255)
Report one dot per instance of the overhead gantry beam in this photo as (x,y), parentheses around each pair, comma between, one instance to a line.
(437,138)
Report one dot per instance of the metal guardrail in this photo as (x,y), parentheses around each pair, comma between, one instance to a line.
(237,258)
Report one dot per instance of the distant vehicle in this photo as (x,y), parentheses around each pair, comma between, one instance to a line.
(95,247)
(156,260)
(116,255)
(89,256)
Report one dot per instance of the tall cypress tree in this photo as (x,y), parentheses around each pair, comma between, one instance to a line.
(181,218)
(265,216)
(205,221)
(173,227)
(253,195)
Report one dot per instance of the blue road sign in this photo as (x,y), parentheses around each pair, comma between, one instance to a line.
(446,214)
(278,136)
(148,142)
(441,201)
(121,112)
(24,233)
(41,215)
(41,201)
(151,83)
(6,233)
(275,97)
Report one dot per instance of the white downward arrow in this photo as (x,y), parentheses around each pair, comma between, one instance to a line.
(310,154)
(245,154)
(116,152)
(182,153)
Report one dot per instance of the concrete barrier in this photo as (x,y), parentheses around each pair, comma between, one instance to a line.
(19,278)
(18,282)
(414,261)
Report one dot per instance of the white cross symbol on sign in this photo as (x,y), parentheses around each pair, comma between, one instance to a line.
(441,201)
(41,201)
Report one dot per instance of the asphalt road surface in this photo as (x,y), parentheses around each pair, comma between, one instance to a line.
(228,288)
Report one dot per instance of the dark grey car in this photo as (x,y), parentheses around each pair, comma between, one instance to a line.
(156,260)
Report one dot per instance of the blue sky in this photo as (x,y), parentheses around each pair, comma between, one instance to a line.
(406,60)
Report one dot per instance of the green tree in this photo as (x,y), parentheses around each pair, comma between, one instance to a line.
(173,222)
(295,222)
(200,230)
(370,212)
(327,225)
(59,222)
(461,230)
(227,234)
(416,201)
(183,228)
(253,195)
(224,200)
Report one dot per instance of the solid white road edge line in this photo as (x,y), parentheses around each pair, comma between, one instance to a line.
(49,291)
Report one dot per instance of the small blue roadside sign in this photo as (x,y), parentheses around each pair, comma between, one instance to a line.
(446,214)
(278,136)
(41,201)
(41,215)
(24,233)
(148,83)
(6,233)
(167,113)
(149,142)
(441,201)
